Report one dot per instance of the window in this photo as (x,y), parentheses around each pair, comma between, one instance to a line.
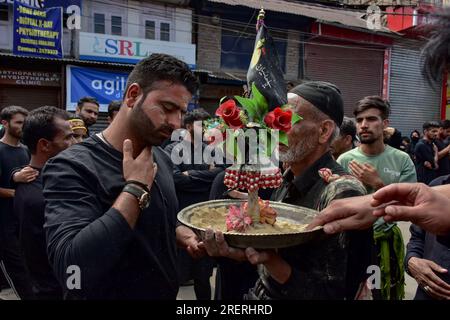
(237,49)
(116,25)
(99,23)
(165,31)
(150,29)
(4,13)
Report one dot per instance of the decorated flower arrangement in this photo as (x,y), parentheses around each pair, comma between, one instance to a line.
(267,113)
(243,113)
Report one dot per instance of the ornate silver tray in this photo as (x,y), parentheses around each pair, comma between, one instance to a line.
(260,240)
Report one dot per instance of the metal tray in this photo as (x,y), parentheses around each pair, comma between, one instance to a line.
(260,240)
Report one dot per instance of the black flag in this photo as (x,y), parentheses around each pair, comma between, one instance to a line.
(265,71)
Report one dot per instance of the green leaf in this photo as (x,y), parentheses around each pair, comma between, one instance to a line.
(295,118)
(283,137)
(260,101)
(222,100)
(249,106)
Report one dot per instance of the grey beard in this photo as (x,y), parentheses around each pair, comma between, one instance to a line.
(295,155)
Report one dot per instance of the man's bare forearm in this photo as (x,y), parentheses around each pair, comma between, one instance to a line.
(7,193)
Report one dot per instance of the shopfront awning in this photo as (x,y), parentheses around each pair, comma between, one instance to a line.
(350,18)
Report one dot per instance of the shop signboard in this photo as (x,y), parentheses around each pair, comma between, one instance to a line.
(37,32)
(105,47)
(103,85)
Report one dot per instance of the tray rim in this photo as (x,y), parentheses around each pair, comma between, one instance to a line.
(235,201)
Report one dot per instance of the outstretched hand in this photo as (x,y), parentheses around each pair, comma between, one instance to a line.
(417,203)
(345,214)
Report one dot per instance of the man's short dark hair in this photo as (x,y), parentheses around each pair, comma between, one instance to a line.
(40,125)
(84,100)
(348,127)
(198,114)
(445,124)
(9,112)
(373,102)
(158,67)
(113,106)
(430,124)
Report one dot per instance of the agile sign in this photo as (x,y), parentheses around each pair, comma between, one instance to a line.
(103,85)
(101,47)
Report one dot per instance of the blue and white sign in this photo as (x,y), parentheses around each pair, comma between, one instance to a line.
(103,85)
(45,3)
(105,47)
(37,32)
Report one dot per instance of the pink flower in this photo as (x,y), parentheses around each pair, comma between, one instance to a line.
(237,219)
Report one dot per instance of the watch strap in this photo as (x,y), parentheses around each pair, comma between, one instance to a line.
(138,192)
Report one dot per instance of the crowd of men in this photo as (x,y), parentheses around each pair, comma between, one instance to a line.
(106,203)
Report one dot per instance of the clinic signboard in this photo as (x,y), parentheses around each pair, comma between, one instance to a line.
(39,4)
(104,47)
(37,32)
(104,85)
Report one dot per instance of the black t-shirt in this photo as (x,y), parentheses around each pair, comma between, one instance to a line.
(29,208)
(424,152)
(82,229)
(10,158)
(444,163)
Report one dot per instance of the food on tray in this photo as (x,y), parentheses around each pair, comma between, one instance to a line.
(221,218)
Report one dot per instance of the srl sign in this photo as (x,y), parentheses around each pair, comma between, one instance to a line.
(101,47)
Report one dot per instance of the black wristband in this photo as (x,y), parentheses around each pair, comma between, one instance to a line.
(138,183)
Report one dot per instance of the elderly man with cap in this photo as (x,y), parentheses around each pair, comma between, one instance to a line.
(335,267)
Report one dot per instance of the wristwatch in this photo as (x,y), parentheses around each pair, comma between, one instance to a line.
(141,195)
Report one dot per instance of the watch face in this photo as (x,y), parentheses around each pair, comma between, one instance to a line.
(144,201)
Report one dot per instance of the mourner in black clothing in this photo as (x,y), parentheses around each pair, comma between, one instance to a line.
(443,146)
(13,155)
(334,268)
(426,154)
(46,132)
(110,201)
(192,183)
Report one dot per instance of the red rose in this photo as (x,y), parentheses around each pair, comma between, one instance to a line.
(279,119)
(230,113)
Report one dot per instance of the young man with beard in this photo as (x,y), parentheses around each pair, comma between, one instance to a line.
(13,155)
(443,146)
(46,132)
(426,153)
(335,267)
(111,204)
(87,110)
(373,162)
(377,164)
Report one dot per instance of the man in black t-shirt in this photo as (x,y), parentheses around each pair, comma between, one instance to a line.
(443,146)
(46,132)
(111,206)
(426,153)
(12,156)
